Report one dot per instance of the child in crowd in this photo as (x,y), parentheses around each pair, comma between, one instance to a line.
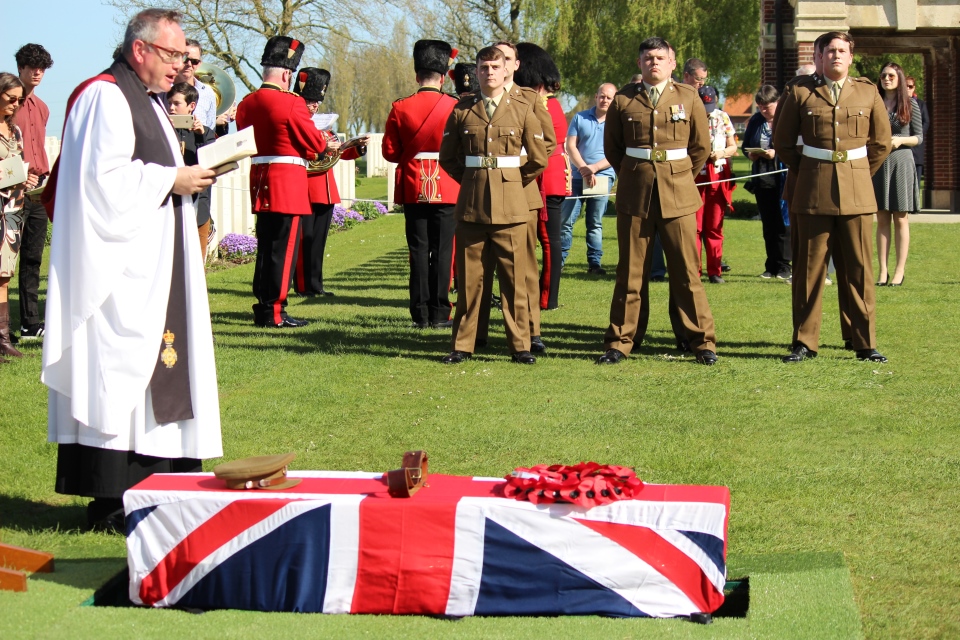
(181,101)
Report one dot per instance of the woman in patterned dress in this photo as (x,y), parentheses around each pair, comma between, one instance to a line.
(896,184)
(11,203)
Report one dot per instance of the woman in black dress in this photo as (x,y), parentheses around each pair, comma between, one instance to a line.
(896,184)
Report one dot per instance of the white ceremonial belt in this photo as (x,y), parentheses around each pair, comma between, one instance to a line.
(278,160)
(427,155)
(834,156)
(492,162)
(656,155)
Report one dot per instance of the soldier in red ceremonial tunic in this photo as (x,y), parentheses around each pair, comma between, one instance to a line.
(286,139)
(312,85)
(411,139)
(539,72)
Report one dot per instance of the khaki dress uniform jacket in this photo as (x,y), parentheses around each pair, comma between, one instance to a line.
(833,201)
(492,208)
(841,275)
(535,201)
(657,195)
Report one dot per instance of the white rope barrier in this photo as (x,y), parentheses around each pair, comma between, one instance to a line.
(699,184)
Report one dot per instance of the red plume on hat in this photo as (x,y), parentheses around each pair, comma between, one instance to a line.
(283,52)
(312,84)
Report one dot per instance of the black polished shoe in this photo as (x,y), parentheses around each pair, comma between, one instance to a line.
(597,270)
(881,284)
(897,284)
(724,267)
(683,346)
(523,357)
(419,325)
(480,343)
(612,356)
(536,344)
(324,292)
(455,357)
(717,280)
(871,355)
(848,345)
(446,324)
(798,354)
(707,357)
(286,322)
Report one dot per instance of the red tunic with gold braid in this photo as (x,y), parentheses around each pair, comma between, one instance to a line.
(555,179)
(282,126)
(419,181)
(322,184)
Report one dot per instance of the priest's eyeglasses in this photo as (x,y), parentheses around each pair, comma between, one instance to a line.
(168,56)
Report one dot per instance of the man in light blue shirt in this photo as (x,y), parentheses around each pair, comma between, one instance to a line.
(206,111)
(584,147)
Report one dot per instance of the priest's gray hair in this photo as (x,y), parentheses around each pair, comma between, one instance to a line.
(146,26)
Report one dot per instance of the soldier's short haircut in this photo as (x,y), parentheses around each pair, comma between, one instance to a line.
(426,75)
(694,64)
(651,44)
(767,94)
(824,40)
(489,54)
(145,26)
(187,90)
(507,44)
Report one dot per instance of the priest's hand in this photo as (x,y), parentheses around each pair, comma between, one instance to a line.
(193,179)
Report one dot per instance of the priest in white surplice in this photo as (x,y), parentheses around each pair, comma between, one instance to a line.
(128,351)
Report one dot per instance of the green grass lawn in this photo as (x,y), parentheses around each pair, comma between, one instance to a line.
(844,475)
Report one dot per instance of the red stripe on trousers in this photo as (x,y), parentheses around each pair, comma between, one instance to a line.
(547,272)
(406,555)
(666,559)
(287,262)
(225,525)
(301,285)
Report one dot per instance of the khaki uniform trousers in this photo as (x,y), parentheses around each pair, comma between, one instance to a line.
(679,239)
(480,248)
(850,240)
(533,291)
(841,274)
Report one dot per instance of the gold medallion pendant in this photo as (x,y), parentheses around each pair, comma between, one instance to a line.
(169,354)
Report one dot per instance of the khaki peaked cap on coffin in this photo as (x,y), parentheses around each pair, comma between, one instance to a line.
(257,472)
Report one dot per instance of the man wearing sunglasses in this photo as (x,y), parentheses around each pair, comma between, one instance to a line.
(206,111)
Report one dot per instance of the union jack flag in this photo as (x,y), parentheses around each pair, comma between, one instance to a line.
(337,543)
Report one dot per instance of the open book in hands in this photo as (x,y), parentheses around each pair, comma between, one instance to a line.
(225,153)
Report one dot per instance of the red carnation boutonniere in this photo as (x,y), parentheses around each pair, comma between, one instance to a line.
(587,484)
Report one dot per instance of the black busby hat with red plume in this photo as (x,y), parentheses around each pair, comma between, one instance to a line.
(312,83)
(433,55)
(282,52)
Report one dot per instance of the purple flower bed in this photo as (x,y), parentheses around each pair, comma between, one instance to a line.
(382,208)
(237,246)
(345,218)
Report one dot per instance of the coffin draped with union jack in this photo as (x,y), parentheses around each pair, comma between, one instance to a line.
(337,543)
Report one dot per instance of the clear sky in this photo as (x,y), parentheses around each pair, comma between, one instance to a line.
(80,36)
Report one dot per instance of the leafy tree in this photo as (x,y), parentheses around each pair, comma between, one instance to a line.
(234,31)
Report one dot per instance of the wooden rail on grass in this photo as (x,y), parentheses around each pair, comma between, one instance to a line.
(15,561)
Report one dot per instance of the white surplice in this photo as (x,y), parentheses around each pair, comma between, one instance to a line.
(111,260)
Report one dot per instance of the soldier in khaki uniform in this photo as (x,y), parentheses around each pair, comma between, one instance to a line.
(657,139)
(481,150)
(846,137)
(532,191)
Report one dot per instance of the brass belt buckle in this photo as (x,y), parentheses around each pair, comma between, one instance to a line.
(488,162)
(839,156)
(659,155)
